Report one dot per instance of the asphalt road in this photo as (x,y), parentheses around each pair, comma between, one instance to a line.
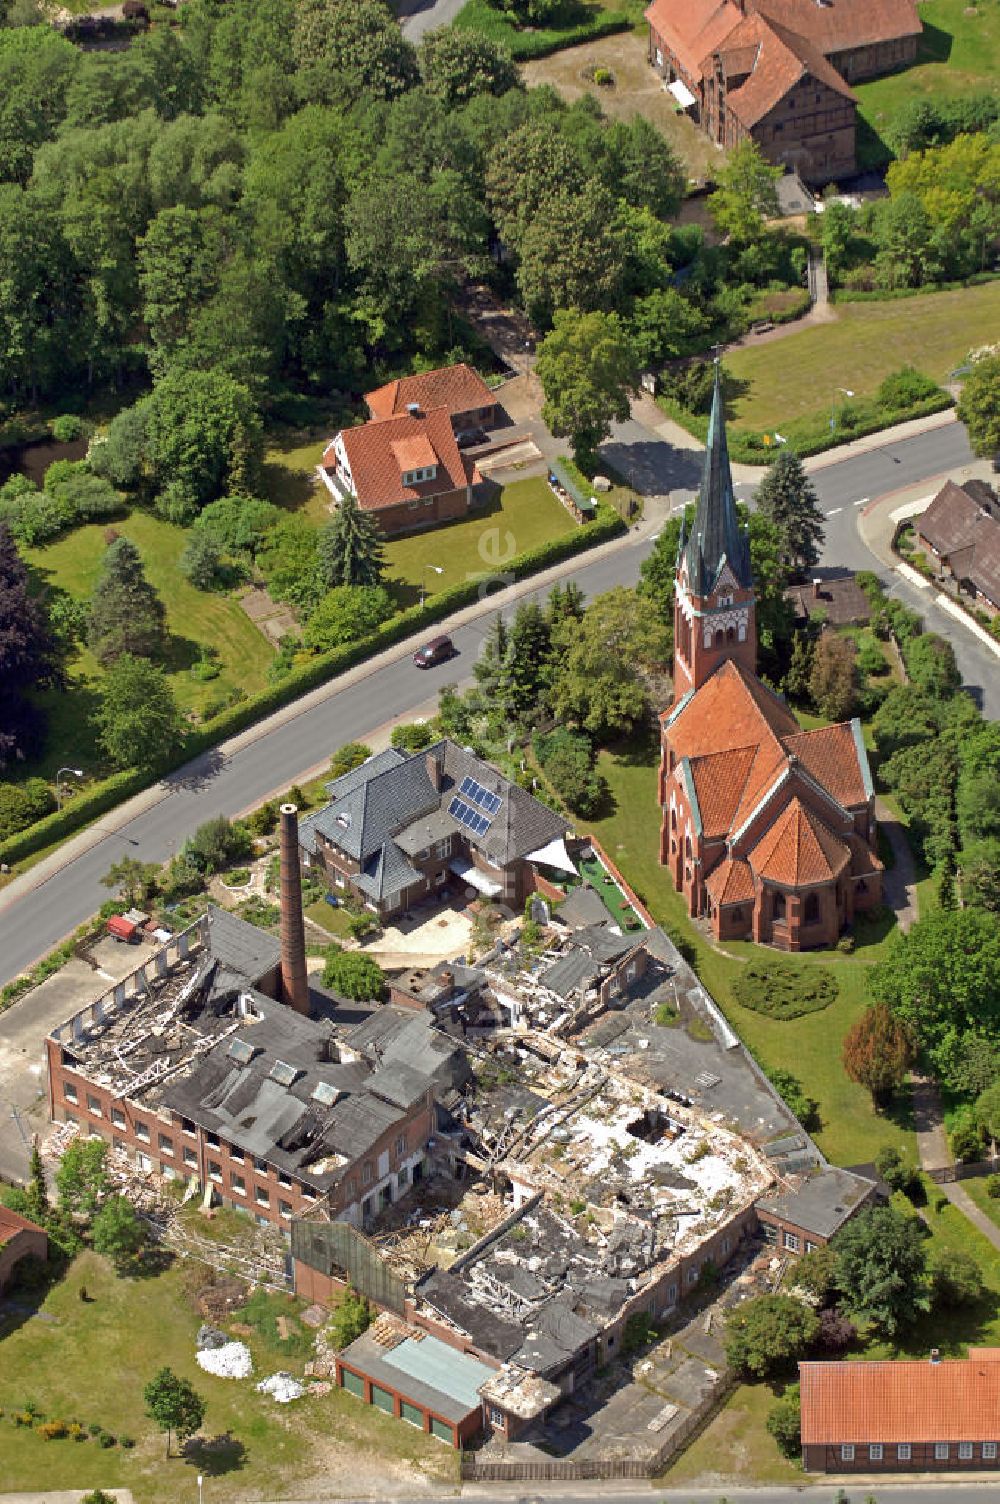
(852,1492)
(419,16)
(214,785)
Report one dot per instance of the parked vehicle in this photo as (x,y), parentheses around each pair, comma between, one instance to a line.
(438,650)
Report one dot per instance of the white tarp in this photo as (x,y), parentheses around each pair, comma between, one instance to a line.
(682,94)
(282,1387)
(470,873)
(553,855)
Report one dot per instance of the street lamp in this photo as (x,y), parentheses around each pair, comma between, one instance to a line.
(200,1482)
(77,773)
(833,406)
(423,587)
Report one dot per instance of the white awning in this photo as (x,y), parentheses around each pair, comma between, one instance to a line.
(682,94)
(471,874)
(553,855)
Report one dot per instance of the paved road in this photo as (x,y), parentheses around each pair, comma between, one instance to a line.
(854,1491)
(419,16)
(213,784)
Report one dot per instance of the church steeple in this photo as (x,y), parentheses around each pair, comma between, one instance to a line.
(714,617)
(716,538)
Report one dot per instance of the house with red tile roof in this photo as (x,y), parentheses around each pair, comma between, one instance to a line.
(406,469)
(768,830)
(903,1415)
(778,72)
(470,403)
(18,1239)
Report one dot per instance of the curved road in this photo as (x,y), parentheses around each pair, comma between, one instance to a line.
(30,924)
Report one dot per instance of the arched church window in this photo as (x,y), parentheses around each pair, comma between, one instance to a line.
(719,638)
(810,913)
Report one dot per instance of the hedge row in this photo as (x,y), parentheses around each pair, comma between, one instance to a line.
(890,294)
(810,435)
(483,17)
(103,796)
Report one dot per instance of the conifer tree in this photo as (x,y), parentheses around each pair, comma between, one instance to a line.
(787,497)
(126,614)
(350,548)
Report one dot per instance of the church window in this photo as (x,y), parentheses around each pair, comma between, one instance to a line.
(673,819)
(730,634)
(778,908)
(687,847)
(718,638)
(810,913)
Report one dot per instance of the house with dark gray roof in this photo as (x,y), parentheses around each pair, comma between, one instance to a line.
(399,829)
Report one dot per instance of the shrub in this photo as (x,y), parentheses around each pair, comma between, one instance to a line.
(413,736)
(795,1099)
(52,1430)
(262,820)
(106,1440)
(66,428)
(993,1187)
(348,757)
(784,1422)
(966,1138)
(217,843)
(779,989)
(567,759)
(905,387)
(21,804)
(353,975)
(362,924)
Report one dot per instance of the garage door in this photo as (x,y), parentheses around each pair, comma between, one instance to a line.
(383,1399)
(354,1383)
(413,1414)
(442,1432)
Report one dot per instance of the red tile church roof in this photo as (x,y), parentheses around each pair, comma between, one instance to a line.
(799,849)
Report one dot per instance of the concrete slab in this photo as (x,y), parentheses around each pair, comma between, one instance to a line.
(436,934)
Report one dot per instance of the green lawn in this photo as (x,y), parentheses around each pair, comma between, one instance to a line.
(334,921)
(89,1361)
(525,515)
(196,619)
(734,1450)
(289,476)
(809,1047)
(976,1187)
(959,54)
(800,374)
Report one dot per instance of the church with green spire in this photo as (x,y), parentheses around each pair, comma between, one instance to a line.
(767,830)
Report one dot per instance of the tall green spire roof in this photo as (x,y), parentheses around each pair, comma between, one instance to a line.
(716,537)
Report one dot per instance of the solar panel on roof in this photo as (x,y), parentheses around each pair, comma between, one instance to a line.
(283,1073)
(240,1051)
(481,797)
(469,817)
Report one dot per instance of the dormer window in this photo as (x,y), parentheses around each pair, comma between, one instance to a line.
(413,477)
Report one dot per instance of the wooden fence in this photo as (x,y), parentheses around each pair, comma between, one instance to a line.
(566,1470)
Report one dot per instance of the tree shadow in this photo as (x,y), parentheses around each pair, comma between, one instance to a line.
(654,467)
(637,751)
(871,929)
(198,773)
(215,1455)
(899,1110)
(180,653)
(151,1262)
(21,1301)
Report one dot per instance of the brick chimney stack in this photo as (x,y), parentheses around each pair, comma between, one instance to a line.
(294,979)
(432,761)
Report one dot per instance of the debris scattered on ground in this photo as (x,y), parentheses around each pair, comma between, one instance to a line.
(210,1337)
(233,1361)
(283,1387)
(314,1315)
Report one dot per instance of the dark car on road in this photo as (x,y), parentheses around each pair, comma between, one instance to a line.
(438,650)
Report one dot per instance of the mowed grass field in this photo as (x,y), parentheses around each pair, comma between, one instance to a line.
(801,373)
(196,620)
(89,1361)
(524,515)
(850,1132)
(959,53)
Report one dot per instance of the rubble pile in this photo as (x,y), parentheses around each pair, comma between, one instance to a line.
(231,1361)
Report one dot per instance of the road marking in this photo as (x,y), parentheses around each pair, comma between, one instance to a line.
(862,503)
(834,512)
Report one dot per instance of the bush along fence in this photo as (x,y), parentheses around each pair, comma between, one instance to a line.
(811,434)
(537,41)
(103,796)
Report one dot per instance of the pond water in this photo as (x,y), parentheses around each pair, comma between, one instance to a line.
(34,459)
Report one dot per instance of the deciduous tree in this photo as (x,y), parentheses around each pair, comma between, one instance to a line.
(587,368)
(174,1405)
(746,194)
(833,679)
(877,1052)
(346,614)
(117,1232)
(603,665)
(458,65)
(27,655)
(138,718)
(979,405)
(353,974)
(882,1268)
(82,1176)
(768,1334)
